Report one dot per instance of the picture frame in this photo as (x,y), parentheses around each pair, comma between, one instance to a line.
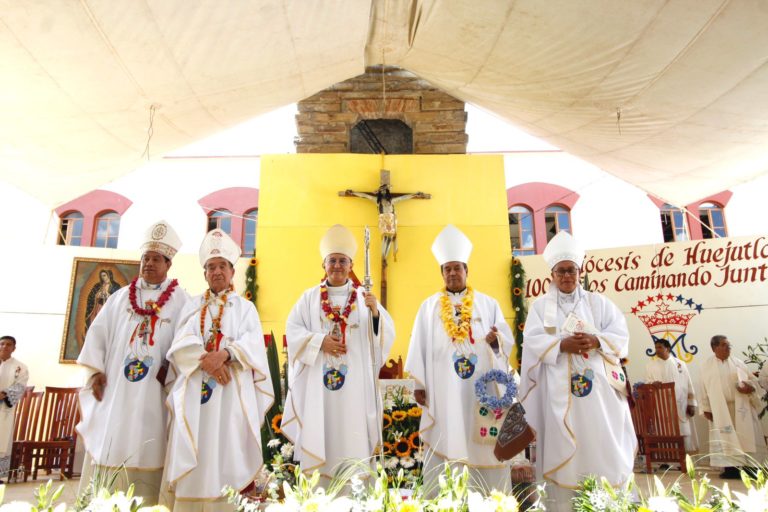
(93,281)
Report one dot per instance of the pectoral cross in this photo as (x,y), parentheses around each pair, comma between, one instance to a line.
(385,200)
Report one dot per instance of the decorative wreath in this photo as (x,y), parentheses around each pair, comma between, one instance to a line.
(494,402)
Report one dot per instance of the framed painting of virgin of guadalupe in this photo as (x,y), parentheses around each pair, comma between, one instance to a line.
(93,282)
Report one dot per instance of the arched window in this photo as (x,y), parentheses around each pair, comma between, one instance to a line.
(107,230)
(521,231)
(71,229)
(713,219)
(556,219)
(250,220)
(673,224)
(220,218)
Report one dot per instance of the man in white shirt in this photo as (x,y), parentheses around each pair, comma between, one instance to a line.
(459,334)
(730,401)
(666,368)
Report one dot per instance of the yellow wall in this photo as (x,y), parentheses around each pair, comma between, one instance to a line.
(299,201)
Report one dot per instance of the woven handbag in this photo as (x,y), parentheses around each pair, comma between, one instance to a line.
(515,434)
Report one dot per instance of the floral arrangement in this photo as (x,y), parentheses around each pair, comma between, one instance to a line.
(595,495)
(400,429)
(251,285)
(453,493)
(103,499)
(494,402)
(277,450)
(517,273)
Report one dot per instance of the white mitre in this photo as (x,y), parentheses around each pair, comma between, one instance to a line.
(218,244)
(563,247)
(338,240)
(161,238)
(451,245)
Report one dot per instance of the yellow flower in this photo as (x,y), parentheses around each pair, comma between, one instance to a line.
(414,440)
(387,420)
(388,448)
(403,448)
(517,291)
(276,423)
(254,262)
(399,415)
(458,332)
(414,412)
(248,295)
(408,506)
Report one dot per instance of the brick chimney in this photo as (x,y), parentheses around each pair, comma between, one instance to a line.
(353,117)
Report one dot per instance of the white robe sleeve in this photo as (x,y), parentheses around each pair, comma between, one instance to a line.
(303,343)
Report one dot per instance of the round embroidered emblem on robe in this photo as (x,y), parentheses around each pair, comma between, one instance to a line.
(464,366)
(581,384)
(206,392)
(333,378)
(136,369)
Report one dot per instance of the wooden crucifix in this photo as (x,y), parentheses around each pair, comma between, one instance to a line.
(385,200)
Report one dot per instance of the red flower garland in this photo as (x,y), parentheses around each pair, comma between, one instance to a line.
(155,307)
(326,304)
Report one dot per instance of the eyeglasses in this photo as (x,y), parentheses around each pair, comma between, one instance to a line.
(566,272)
(342,262)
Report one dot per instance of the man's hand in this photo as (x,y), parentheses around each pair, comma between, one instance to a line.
(492,338)
(690,411)
(745,388)
(333,346)
(579,343)
(708,415)
(98,383)
(420,395)
(215,364)
(522,474)
(371,303)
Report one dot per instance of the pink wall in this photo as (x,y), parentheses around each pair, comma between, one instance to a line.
(238,200)
(537,197)
(91,205)
(692,210)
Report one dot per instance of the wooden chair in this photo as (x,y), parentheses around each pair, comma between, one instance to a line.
(54,446)
(25,427)
(660,425)
(392,369)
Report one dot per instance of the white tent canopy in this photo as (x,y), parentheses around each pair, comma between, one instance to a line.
(669,95)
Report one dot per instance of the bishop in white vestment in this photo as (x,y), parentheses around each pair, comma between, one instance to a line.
(731,400)
(13,383)
(572,386)
(459,334)
(123,424)
(338,338)
(666,368)
(222,390)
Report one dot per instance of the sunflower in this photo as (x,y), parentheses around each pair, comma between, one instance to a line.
(403,447)
(388,448)
(414,412)
(414,440)
(248,295)
(521,326)
(517,291)
(399,415)
(276,424)
(387,421)
(253,262)
(515,261)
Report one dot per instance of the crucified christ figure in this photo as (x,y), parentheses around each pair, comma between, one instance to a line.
(385,200)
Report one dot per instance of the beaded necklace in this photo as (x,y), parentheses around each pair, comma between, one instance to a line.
(212,343)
